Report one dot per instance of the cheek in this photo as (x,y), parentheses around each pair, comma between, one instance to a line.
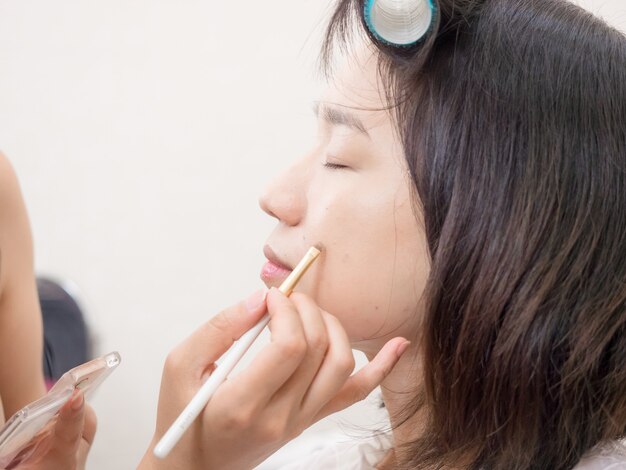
(374,267)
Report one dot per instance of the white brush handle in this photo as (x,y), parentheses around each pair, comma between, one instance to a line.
(232,357)
(202,397)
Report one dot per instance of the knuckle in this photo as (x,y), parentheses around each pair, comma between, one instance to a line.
(333,320)
(275,430)
(302,301)
(293,433)
(172,361)
(318,342)
(380,371)
(277,300)
(238,420)
(66,435)
(292,348)
(271,433)
(346,363)
(223,320)
(361,392)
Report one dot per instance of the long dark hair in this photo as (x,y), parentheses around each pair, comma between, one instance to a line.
(512,115)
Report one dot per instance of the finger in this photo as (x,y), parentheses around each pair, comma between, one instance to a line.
(89,433)
(275,363)
(212,339)
(82,454)
(334,371)
(68,429)
(317,342)
(361,384)
(91,424)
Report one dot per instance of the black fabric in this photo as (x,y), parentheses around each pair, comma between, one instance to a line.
(66,339)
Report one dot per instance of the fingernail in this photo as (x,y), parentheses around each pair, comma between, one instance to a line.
(77,401)
(402,348)
(256,300)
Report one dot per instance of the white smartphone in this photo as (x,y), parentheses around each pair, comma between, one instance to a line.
(21,434)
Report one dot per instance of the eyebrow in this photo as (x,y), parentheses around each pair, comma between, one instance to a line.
(339,117)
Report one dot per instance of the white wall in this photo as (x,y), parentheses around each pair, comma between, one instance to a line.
(143,131)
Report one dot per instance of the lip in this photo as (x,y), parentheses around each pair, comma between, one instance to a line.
(275,270)
(273,258)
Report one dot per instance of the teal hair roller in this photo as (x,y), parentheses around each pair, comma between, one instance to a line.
(400,22)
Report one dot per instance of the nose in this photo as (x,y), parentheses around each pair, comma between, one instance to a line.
(284,198)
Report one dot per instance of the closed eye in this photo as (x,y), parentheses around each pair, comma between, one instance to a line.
(334,166)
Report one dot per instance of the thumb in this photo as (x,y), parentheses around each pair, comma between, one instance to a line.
(361,384)
(69,425)
(68,431)
(211,340)
(88,435)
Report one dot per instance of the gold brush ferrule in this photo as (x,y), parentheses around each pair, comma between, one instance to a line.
(294,277)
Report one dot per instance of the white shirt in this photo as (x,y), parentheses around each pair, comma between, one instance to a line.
(365,453)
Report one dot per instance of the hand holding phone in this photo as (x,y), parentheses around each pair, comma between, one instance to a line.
(27,429)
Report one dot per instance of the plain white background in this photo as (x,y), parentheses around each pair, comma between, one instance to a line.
(143,132)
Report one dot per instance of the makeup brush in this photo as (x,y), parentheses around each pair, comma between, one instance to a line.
(230,360)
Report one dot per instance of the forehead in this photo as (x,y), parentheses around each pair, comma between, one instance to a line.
(356,86)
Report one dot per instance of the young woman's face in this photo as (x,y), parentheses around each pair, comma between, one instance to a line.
(352,194)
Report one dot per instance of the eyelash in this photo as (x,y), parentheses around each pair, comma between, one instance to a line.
(334,166)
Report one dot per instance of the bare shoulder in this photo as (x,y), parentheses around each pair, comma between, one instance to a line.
(21,332)
(10,195)
(15,237)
